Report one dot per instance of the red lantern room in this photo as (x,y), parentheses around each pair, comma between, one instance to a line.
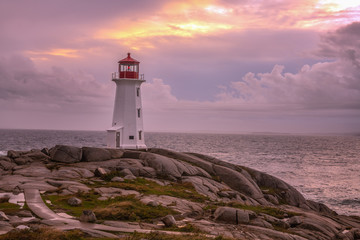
(129,68)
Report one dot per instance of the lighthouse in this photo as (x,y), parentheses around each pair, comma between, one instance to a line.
(127,124)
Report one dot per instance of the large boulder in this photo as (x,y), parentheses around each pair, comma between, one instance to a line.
(99,172)
(6,165)
(207,187)
(33,170)
(15,154)
(115,153)
(284,192)
(91,154)
(66,154)
(169,221)
(170,168)
(36,154)
(88,216)
(320,207)
(232,215)
(239,182)
(74,201)
(23,160)
(206,165)
(7,159)
(3,216)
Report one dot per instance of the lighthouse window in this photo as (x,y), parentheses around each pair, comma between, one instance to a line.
(139,111)
(140,135)
(138,92)
(131,137)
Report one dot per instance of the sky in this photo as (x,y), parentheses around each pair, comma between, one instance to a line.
(217,66)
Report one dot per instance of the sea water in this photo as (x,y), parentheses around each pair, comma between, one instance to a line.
(323,168)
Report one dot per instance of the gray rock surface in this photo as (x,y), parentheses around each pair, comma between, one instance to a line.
(5,227)
(74,201)
(22,160)
(117,179)
(88,216)
(126,172)
(224,184)
(239,182)
(232,215)
(3,216)
(5,165)
(129,177)
(169,168)
(35,155)
(90,154)
(99,172)
(208,187)
(66,154)
(294,221)
(169,221)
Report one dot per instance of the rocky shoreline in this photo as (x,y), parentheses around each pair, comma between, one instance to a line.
(109,192)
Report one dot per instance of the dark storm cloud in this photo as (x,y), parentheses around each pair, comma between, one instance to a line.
(343,43)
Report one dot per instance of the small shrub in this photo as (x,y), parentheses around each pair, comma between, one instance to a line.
(107,177)
(42,233)
(180,190)
(161,236)
(119,208)
(4,199)
(131,210)
(272,211)
(275,212)
(9,208)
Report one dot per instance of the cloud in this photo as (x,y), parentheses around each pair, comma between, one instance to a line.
(328,85)
(324,85)
(24,87)
(343,43)
(322,97)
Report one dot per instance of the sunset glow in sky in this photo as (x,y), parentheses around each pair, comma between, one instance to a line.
(227,66)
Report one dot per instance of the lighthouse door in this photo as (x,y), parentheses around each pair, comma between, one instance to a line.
(118,139)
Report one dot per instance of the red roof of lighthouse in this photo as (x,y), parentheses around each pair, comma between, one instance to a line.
(128,59)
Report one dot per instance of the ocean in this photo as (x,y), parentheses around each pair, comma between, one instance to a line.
(323,168)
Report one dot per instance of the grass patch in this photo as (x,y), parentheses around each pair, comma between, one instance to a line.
(161,236)
(130,210)
(9,208)
(7,205)
(270,191)
(148,187)
(275,212)
(51,233)
(107,177)
(43,233)
(119,208)
(189,228)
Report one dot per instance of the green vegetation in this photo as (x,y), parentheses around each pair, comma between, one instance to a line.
(275,212)
(148,187)
(119,208)
(9,208)
(7,205)
(42,233)
(187,228)
(275,192)
(160,236)
(50,233)
(131,210)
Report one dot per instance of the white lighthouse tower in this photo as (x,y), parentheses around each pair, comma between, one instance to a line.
(127,124)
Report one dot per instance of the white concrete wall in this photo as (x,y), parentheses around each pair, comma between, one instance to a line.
(110,139)
(126,114)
